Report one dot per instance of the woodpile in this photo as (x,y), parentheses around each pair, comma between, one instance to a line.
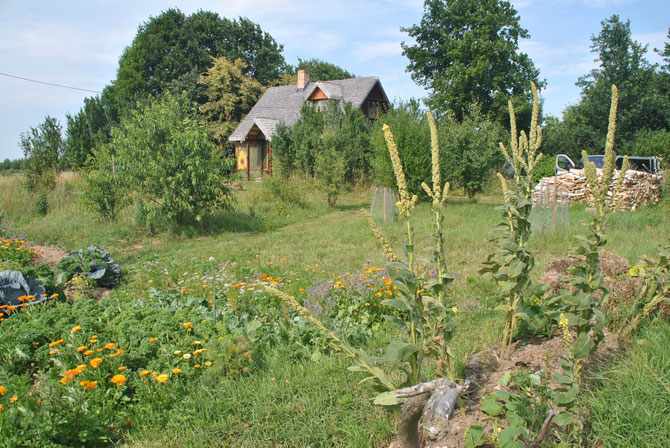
(638,188)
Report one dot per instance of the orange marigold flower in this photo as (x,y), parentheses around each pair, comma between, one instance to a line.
(2,408)
(53,352)
(152,340)
(208,363)
(80,368)
(163,377)
(121,369)
(176,370)
(110,346)
(55,343)
(95,362)
(82,348)
(118,379)
(197,366)
(88,352)
(90,385)
(2,390)
(188,324)
(75,329)
(13,399)
(144,373)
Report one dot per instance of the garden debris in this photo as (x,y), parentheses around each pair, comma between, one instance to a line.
(94,262)
(16,291)
(638,188)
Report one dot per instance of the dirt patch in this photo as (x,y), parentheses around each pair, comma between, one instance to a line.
(487,371)
(48,254)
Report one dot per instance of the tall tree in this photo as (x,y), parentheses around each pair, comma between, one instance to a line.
(642,101)
(89,128)
(467,52)
(43,147)
(230,96)
(171,51)
(319,70)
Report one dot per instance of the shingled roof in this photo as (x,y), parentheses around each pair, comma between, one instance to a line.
(282,104)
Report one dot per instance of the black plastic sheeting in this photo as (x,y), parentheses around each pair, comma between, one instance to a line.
(16,291)
(107,273)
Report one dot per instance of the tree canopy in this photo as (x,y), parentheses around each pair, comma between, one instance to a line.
(467,52)
(172,49)
(43,148)
(230,96)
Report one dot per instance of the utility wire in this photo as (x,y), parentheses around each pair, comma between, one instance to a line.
(47,83)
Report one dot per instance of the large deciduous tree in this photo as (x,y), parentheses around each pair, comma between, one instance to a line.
(171,51)
(230,96)
(89,128)
(643,91)
(467,52)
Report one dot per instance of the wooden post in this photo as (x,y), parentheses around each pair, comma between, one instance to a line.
(248,161)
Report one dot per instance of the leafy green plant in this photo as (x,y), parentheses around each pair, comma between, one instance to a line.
(15,250)
(512,263)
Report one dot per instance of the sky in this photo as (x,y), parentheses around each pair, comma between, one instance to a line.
(78,44)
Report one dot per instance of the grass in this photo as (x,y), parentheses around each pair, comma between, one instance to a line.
(307,403)
(632,407)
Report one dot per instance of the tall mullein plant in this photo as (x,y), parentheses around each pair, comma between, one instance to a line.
(512,263)
(580,308)
(440,309)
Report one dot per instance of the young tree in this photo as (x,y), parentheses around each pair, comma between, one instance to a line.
(467,52)
(88,129)
(167,165)
(42,147)
(230,96)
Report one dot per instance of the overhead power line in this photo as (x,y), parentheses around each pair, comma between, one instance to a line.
(47,83)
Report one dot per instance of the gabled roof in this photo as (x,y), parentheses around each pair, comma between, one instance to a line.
(282,104)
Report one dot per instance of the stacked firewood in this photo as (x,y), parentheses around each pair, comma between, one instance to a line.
(638,188)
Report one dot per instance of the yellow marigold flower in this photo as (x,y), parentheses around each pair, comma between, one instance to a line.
(75,329)
(55,343)
(163,377)
(208,363)
(177,352)
(99,350)
(121,369)
(82,348)
(13,399)
(2,390)
(187,356)
(118,379)
(110,346)
(53,352)
(95,362)
(196,343)
(2,408)
(188,324)
(144,373)
(152,340)
(454,309)
(176,370)
(88,352)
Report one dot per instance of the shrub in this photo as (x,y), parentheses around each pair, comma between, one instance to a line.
(411,133)
(164,159)
(43,147)
(470,151)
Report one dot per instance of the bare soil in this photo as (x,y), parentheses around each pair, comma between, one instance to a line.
(48,254)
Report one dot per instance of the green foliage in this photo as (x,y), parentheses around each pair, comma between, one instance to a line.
(470,151)
(512,263)
(167,165)
(546,167)
(42,147)
(648,143)
(342,128)
(90,128)
(412,135)
(467,52)
(318,69)
(103,193)
(14,249)
(12,165)
(330,169)
(230,96)
(171,50)
(41,206)
(644,102)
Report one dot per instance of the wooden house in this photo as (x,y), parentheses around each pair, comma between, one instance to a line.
(253,136)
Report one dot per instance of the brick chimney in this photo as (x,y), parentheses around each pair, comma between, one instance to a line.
(303,78)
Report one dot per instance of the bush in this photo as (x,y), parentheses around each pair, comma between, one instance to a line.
(650,143)
(470,151)
(545,168)
(43,147)
(165,160)
(408,123)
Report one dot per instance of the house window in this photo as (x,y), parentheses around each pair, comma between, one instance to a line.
(373,110)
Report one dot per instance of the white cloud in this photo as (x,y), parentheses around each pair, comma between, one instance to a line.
(375,50)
